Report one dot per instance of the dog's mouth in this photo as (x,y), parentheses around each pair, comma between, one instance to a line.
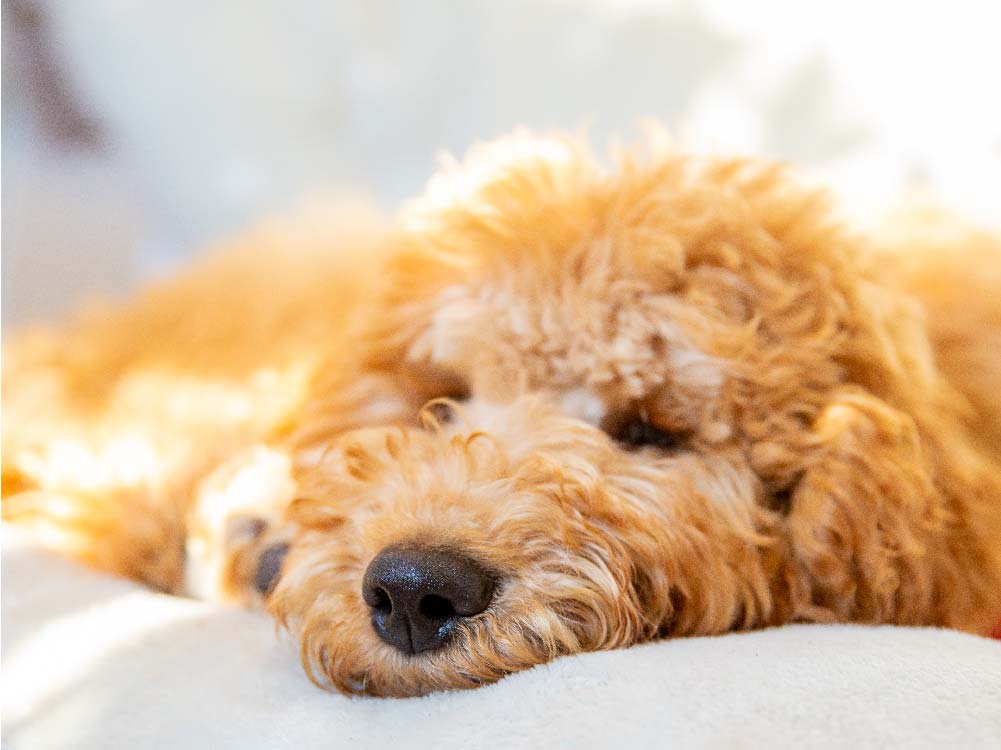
(404,643)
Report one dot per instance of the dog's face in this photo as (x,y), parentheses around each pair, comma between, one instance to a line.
(580,415)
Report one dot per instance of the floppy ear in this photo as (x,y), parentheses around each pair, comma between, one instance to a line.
(863,511)
(880,526)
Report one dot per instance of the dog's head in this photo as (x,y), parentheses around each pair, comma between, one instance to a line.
(580,414)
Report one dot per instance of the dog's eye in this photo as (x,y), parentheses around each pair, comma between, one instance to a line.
(441,408)
(637,432)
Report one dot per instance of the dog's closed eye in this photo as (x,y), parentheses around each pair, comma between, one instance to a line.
(441,409)
(637,431)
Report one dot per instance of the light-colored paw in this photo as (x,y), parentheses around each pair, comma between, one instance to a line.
(235,521)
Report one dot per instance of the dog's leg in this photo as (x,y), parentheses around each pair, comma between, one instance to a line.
(126,531)
(236,534)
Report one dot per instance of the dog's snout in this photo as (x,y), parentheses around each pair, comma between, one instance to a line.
(418,595)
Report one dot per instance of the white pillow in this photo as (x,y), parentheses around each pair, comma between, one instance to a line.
(94,662)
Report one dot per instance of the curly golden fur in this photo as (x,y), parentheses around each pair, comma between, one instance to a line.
(827,404)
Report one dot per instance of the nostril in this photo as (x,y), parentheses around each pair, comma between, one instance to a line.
(436,607)
(381,602)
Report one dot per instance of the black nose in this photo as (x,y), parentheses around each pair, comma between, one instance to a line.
(418,595)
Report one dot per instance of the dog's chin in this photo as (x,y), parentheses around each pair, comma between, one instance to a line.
(341,651)
(360,664)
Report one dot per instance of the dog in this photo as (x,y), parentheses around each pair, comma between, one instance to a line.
(554,407)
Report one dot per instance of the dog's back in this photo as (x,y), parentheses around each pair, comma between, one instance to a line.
(109,419)
(955,271)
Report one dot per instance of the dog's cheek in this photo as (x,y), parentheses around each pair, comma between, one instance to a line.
(316,602)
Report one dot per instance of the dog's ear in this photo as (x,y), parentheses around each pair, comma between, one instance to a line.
(881,520)
(863,510)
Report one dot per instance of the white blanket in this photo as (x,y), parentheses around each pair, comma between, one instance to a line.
(94,662)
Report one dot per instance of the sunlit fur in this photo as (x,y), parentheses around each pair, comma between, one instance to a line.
(835,397)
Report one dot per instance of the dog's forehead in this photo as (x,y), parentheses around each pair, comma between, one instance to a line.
(580,339)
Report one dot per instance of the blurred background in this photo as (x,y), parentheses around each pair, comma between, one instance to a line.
(135,133)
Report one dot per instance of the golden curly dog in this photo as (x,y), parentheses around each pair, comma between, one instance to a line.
(556,408)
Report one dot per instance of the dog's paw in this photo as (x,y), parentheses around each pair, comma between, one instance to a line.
(255,550)
(269,567)
(237,539)
(244,567)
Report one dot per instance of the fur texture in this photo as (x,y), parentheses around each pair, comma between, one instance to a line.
(835,436)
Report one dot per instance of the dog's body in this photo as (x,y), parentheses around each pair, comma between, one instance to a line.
(674,399)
